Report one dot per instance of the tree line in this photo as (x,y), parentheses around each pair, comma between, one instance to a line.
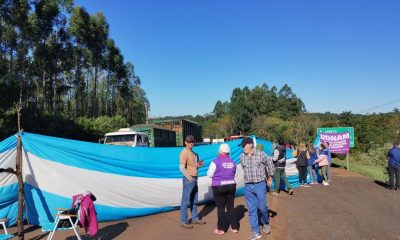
(60,64)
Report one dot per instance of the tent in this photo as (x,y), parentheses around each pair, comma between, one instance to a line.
(128,182)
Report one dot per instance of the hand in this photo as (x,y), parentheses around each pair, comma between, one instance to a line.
(269,182)
(200,163)
(190,179)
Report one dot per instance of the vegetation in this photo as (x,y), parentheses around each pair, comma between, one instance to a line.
(60,64)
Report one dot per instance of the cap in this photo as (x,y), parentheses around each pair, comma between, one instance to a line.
(224,148)
(189,139)
(245,141)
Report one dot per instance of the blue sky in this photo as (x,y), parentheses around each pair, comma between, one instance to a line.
(339,55)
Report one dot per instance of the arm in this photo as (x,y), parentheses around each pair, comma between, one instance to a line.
(182,166)
(276,155)
(211,170)
(185,173)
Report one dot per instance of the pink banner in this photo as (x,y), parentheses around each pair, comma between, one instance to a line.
(338,142)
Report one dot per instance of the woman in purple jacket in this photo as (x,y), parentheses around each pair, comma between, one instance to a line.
(222,171)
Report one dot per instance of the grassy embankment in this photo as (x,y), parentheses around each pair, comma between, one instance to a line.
(376,172)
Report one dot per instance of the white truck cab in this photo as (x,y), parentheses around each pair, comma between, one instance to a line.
(127,137)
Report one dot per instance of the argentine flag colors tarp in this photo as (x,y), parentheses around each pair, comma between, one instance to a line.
(127,182)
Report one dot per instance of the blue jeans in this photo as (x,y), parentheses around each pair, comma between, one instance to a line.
(189,200)
(255,200)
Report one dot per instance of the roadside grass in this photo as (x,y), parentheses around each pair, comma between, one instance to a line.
(378,173)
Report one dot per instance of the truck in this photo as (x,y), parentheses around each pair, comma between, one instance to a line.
(127,137)
(142,135)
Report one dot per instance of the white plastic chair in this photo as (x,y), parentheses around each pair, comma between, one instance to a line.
(5,235)
(52,227)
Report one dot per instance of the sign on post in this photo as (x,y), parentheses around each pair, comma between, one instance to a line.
(339,130)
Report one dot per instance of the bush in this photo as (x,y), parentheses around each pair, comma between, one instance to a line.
(376,155)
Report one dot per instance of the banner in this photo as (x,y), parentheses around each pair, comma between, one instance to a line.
(338,142)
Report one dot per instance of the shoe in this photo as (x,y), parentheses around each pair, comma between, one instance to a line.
(266,229)
(219,232)
(200,222)
(290,192)
(307,185)
(235,230)
(301,185)
(255,236)
(275,194)
(186,225)
(326,184)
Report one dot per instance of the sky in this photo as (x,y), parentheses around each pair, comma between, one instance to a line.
(338,55)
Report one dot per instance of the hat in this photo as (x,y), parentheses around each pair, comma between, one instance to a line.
(224,148)
(245,141)
(189,139)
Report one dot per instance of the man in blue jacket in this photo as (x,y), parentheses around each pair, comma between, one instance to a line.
(394,167)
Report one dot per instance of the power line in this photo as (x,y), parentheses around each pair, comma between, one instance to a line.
(379,106)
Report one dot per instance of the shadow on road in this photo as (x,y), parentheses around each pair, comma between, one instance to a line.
(382,184)
(206,210)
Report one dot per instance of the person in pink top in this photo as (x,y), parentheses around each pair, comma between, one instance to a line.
(323,163)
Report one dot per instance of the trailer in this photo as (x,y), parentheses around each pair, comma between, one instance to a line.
(182,128)
(157,135)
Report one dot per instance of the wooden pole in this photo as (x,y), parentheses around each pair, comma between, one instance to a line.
(20,218)
(347,161)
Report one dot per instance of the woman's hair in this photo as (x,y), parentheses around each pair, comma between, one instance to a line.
(322,146)
(302,146)
(311,148)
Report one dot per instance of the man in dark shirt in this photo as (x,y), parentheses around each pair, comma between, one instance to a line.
(394,167)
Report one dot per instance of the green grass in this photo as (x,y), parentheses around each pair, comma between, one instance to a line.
(375,172)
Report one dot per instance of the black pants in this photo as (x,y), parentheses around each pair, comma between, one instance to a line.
(394,173)
(224,198)
(302,174)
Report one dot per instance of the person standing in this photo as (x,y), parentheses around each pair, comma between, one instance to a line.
(222,171)
(258,170)
(329,156)
(394,167)
(323,163)
(188,165)
(280,164)
(302,163)
(312,157)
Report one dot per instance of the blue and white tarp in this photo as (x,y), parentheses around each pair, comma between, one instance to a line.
(127,182)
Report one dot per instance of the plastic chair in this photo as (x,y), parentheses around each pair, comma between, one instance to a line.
(5,235)
(52,227)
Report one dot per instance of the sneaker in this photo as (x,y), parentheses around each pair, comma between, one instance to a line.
(326,184)
(301,185)
(266,229)
(200,222)
(219,232)
(290,192)
(275,194)
(186,225)
(235,230)
(255,236)
(307,185)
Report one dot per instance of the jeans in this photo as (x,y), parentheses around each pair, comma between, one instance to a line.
(224,198)
(329,174)
(189,200)
(394,173)
(313,174)
(324,172)
(257,204)
(302,174)
(278,175)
